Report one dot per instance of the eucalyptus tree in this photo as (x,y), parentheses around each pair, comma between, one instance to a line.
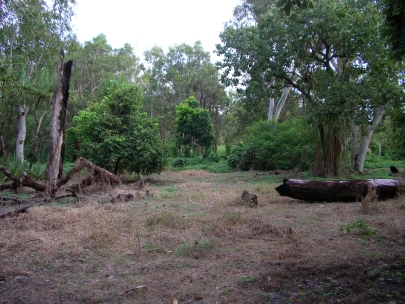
(182,72)
(328,53)
(31,33)
(247,70)
(96,62)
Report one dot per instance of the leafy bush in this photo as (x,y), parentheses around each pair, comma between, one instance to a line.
(114,134)
(269,146)
(212,163)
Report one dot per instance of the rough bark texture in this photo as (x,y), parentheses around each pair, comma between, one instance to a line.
(339,191)
(55,143)
(67,71)
(58,117)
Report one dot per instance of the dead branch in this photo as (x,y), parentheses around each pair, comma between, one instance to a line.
(98,175)
(45,201)
(24,209)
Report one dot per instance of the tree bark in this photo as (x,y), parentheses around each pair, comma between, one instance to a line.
(353,148)
(22,131)
(378,115)
(339,191)
(58,117)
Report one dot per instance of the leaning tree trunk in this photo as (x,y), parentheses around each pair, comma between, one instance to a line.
(22,131)
(378,115)
(58,117)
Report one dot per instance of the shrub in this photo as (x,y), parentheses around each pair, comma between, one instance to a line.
(269,146)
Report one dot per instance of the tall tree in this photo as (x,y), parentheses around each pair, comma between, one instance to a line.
(193,127)
(326,53)
(30,33)
(184,71)
(117,135)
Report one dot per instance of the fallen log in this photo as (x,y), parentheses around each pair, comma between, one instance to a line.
(98,174)
(339,191)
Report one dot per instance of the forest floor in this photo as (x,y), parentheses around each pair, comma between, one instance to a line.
(187,237)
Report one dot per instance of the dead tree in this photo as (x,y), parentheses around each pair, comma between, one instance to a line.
(339,191)
(97,174)
(58,122)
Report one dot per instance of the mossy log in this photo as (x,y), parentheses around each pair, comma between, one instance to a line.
(340,191)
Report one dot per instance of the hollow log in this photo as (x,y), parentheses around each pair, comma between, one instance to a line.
(339,191)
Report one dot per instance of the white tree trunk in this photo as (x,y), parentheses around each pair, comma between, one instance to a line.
(56,136)
(22,131)
(271,109)
(274,112)
(281,102)
(378,115)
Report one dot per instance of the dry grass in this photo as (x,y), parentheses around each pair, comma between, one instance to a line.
(188,239)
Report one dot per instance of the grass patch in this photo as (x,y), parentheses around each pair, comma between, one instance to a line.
(166,219)
(197,248)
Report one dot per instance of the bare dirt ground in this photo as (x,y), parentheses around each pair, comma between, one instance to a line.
(187,237)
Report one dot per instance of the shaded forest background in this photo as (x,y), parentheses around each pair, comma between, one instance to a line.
(313,85)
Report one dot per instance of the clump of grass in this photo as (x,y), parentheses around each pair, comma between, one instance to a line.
(166,219)
(233,218)
(360,227)
(37,171)
(195,248)
(15,167)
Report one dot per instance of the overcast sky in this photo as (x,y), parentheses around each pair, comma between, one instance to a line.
(146,23)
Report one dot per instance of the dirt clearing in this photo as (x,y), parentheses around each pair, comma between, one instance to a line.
(188,237)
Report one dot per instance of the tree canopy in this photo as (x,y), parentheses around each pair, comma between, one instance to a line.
(115,134)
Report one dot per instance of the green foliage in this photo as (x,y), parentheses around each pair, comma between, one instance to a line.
(114,134)
(14,166)
(394,11)
(270,146)
(193,127)
(361,228)
(212,163)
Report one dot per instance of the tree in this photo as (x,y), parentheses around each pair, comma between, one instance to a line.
(54,168)
(96,63)
(171,78)
(394,27)
(116,135)
(247,70)
(193,127)
(30,32)
(329,54)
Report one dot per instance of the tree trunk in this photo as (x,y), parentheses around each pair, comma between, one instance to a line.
(339,191)
(271,109)
(34,144)
(58,117)
(353,148)
(67,71)
(378,115)
(281,102)
(22,131)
